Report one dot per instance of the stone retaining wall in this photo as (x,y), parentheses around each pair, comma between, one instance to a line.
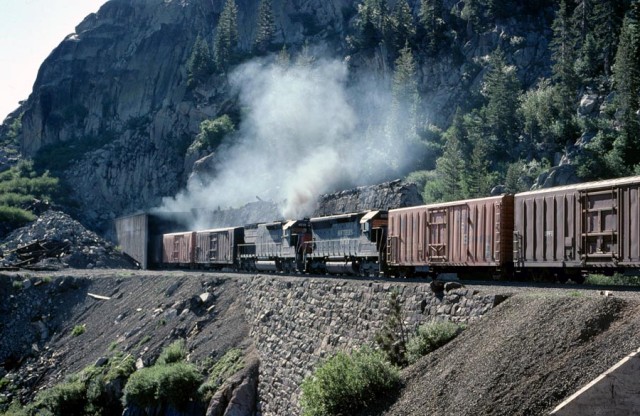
(297,322)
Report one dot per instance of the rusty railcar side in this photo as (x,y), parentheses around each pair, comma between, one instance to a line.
(218,247)
(179,248)
(584,227)
(452,236)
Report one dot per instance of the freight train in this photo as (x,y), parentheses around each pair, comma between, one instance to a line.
(557,233)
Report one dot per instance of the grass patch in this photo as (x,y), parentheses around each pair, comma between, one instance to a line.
(617,279)
(143,341)
(4,383)
(78,330)
(430,337)
(230,363)
(17,284)
(176,352)
(347,383)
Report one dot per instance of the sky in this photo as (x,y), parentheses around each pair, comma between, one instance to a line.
(29,31)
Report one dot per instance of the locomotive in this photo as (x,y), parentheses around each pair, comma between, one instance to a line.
(556,233)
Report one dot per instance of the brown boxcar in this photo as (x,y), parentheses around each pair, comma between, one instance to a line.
(179,248)
(218,247)
(589,226)
(451,236)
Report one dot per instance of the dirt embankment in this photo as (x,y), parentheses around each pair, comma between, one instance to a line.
(522,358)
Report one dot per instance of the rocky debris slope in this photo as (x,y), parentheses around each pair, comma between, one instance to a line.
(523,358)
(120,313)
(55,240)
(254,212)
(395,194)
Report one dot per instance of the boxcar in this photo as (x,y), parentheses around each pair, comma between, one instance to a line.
(572,230)
(450,237)
(179,248)
(140,235)
(218,248)
(348,243)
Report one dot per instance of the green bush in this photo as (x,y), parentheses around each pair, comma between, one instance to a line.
(212,132)
(175,384)
(120,367)
(345,384)
(430,337)
(174,353)
(68,398)
(15,216)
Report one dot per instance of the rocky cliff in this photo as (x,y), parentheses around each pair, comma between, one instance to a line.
(111,112)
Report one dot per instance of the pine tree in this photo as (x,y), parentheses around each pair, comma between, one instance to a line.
(226,41)
(284,58)
(372,23)
(200,64)
(265,29)
(564,76)
(583,18)
(405,97)
(501,89)
(626,75)
(606,29)
(305,58)
(472,13)
(451,166)
(432,24)
(404,29)
(392,337)
(479,184)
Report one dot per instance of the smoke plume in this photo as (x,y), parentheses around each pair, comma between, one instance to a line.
(306,130)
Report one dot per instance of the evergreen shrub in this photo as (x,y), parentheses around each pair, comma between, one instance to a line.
(347,383)
(430,337)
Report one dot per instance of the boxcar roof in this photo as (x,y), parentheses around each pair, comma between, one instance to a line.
(448,204)
(215,230)
(180,233)
(585,185)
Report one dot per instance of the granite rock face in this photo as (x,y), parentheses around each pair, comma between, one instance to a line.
(112,98)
